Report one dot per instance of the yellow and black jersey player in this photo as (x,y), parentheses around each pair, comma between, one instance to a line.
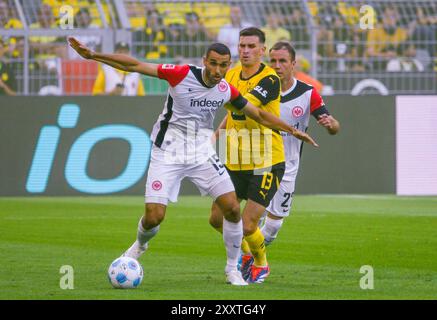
(255,181)
(262,89)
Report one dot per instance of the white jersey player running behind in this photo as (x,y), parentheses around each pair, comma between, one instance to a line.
(182,147)
(298,101)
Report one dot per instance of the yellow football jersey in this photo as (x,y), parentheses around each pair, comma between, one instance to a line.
(250,145)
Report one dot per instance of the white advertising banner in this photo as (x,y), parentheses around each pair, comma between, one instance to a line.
(416,145)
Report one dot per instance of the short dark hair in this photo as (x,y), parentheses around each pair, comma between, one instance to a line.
(285,45)
(252,31)
(218,47)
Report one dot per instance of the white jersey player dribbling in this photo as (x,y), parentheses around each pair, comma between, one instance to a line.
(182,149)
(181,136)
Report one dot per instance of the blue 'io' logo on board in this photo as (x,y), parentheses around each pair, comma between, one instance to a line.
(77,160)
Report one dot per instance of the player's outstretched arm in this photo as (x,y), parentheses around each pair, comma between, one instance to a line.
(273,122)
(119,61)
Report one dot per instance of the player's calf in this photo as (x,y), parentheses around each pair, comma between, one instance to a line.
(148,227)
(216,217)
(153,216)
(271,229)
(232,229)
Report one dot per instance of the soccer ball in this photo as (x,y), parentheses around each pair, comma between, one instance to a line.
(125,273)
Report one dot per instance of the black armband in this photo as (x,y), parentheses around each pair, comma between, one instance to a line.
(320,111)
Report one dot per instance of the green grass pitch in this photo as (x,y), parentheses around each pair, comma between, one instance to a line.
(317,255)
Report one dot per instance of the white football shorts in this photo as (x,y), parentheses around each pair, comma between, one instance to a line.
(281,203)
(164,178)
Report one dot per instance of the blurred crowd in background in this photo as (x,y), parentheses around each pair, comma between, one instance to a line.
(329,36)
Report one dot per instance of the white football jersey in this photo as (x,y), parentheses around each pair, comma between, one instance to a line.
(185,126)
(297,103)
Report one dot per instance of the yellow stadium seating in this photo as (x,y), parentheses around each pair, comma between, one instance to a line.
(350,13)
(136,13)
(212,14)
(77,5)
(173,12)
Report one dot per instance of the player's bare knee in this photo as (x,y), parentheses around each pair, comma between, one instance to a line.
(227,206)
(249,227)
(232,212)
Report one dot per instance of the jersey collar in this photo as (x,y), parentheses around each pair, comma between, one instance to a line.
(261,68)
(197,71)
(291,88)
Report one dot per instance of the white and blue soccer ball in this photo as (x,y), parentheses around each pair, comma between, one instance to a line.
(125,273)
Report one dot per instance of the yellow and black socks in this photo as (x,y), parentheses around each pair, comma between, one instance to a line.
(257,247)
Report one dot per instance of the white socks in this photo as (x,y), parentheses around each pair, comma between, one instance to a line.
(270,229)
(232,237)
(143,236)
